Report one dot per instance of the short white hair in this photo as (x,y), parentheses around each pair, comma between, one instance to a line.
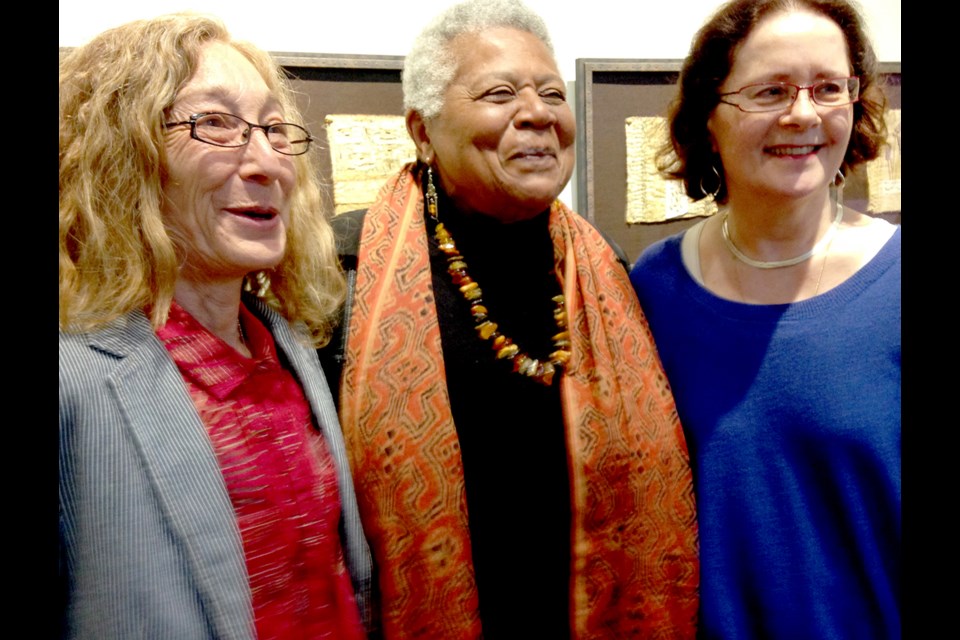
(430,66)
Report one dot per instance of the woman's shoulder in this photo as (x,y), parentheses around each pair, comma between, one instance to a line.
(87,357)
(658,274)
(882,258)
(873,233)
(97,367)
(113,340)
(662,254)
(865,249)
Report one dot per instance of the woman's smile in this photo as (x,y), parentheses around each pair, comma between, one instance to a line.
(502,144)
(793,151)
(796,151)
(535,157)
(258,215)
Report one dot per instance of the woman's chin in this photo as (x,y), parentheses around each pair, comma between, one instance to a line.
(257,257)
(532,200)
(231,265)
(795,187)
(519,209)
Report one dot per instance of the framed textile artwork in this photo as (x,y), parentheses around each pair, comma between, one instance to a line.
(353,105)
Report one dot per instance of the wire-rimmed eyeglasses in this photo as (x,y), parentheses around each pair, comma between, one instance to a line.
(228,130)
(776,96)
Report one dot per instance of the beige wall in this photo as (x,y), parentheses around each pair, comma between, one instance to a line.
(659,29)
(593,29)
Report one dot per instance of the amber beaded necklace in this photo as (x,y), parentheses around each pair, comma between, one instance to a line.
(542,372)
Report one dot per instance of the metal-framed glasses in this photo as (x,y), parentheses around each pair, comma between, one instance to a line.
(228,130)
(777,96)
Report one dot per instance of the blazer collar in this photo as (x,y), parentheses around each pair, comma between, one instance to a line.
(180,463)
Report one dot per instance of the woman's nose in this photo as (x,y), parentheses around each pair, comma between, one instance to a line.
(261,162)
(803,111)
(534,111)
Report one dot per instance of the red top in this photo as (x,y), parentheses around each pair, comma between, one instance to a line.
(279,474)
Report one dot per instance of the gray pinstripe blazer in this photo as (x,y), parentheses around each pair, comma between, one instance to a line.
(149,545)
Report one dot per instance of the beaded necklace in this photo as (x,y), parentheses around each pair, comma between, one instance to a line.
(504,348)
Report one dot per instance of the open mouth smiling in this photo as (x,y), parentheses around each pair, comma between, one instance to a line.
(803,150)
(254,213)
(533,154)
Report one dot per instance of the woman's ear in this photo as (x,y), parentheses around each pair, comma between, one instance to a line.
(417,128)
(713,140)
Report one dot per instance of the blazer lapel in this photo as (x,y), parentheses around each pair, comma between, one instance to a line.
(305,366)
(180,463)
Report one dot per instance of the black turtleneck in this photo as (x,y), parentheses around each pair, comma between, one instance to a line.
(510,427)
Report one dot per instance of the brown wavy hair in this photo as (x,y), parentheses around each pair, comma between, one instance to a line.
(689,155)
(116,253)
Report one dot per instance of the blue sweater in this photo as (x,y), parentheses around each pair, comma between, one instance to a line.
(792,417)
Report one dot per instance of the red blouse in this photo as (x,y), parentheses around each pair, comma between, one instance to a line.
(279,474)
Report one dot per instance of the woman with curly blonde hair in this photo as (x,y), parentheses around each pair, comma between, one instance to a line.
(204,490)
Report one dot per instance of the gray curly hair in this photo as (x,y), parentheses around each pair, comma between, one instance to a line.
(430,66)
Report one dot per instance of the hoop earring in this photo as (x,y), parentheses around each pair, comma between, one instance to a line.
(714,193)
(431,195)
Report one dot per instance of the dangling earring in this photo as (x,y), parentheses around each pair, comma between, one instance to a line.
(714,193)
(838,182)
(431,195)
(262,281)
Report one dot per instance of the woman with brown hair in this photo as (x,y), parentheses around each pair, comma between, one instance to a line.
(778,321)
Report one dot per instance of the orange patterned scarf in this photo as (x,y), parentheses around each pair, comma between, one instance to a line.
(634,534)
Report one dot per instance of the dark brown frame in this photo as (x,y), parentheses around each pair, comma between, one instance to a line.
(610,90)
(341,83)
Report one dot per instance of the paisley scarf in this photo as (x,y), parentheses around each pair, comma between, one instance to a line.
(634,569)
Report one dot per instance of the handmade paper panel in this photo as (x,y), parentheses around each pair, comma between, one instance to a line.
(651,197)
(365,150)
(883,173)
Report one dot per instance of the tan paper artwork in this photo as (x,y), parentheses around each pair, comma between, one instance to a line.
(365,150)
(650,197)
(883,173)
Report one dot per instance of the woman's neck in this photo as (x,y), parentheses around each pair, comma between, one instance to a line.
(455,215)
(770,230)
(215,305)
(508,212)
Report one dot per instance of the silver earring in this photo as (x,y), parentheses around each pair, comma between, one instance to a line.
(838,182)
(714,193)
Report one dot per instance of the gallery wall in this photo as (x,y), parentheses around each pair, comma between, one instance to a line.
(594,29)
(653,30)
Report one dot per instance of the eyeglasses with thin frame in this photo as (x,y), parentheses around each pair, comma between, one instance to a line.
(228,130)
(777,96)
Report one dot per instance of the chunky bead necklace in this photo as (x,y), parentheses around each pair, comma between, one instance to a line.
(504,348)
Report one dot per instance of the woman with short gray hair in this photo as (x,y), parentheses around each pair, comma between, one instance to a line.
(430,66)
(519,465)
